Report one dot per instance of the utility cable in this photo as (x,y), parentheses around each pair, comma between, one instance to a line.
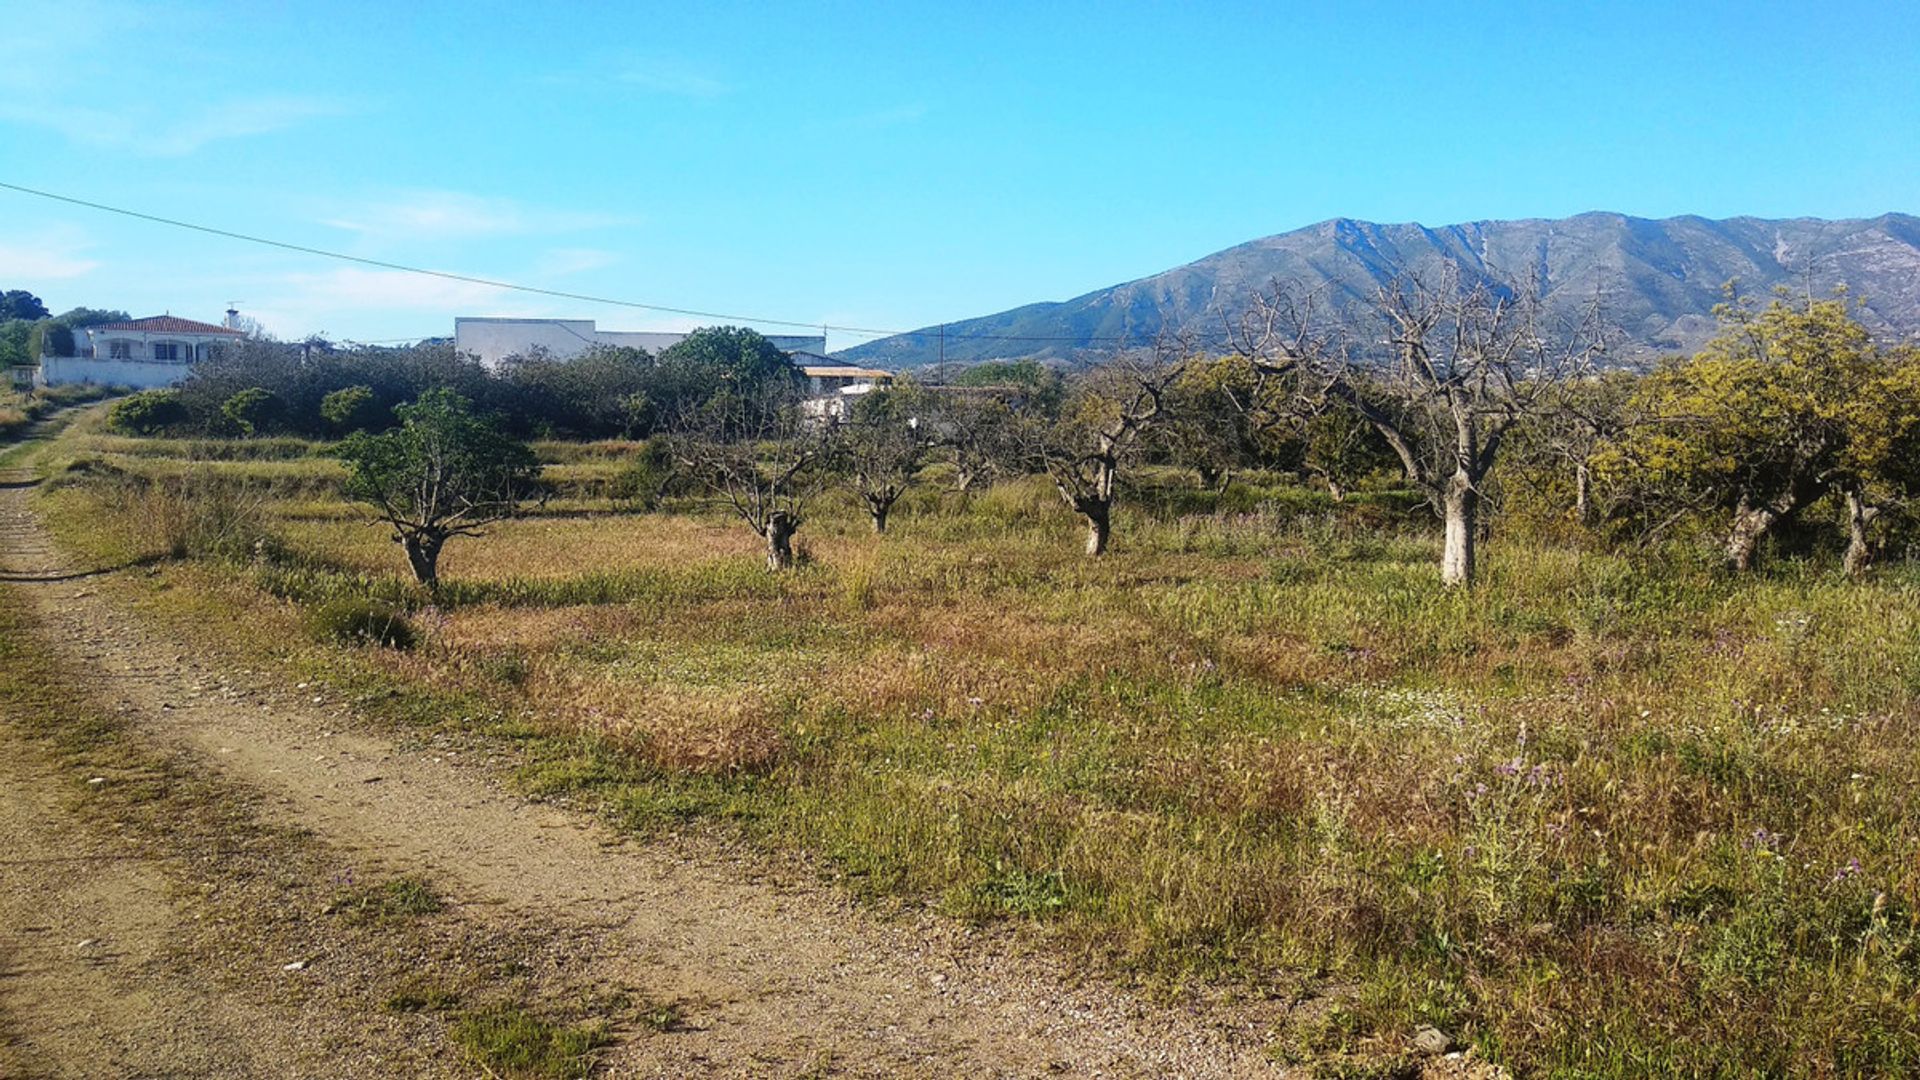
(538,290)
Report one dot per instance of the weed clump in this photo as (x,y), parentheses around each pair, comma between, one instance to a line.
(512,1041)
(388,901)
(357,621)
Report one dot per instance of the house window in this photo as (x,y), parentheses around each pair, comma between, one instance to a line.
(166,350)
(120,350)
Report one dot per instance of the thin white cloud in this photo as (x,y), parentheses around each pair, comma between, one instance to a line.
(653,75)
(53,254)
(444,215)
(671,77)
(559,262)
(174,131)
(886,118)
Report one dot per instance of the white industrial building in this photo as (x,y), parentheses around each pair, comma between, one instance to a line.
(493,340)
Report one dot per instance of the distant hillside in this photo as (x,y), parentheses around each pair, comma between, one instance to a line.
(1659,280)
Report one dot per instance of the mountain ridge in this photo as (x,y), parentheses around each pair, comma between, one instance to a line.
(1658,278)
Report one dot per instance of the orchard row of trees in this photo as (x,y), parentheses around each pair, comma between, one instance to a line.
(316,389)
(1468,395)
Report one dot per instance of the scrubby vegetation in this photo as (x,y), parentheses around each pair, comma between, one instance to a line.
(20,408)
(1614,810)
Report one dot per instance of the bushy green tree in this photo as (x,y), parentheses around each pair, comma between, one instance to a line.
(148,412)
(254,410)
(1881,468)
(50,338)
(1210,423)
(882,444)
(15,336)
(443,472)
(349,408)
(714,361)
(21,304)
(82,317)
(1759,424)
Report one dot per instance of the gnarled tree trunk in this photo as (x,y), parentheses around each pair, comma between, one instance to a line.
(1860,546)
(1099,515)
(877,511)
(778,532)
(1583,494)
(1460,508)
(1751,524)
(423,555)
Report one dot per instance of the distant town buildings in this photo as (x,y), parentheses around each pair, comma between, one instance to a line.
(493,340)
(142,353)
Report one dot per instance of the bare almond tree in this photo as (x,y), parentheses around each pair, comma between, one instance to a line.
(1459,365)
(756,448)
(1099,429)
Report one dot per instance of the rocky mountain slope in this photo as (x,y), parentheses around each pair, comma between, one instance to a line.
(1658,280)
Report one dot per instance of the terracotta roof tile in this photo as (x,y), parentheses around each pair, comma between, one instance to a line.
(167,324)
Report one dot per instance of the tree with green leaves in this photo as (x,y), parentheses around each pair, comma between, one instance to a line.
(254,410)
(1762,422)
(16,336)
(443,472)
(711,361)
(882,444)
(1211,424)
(349,408)
(21,304)
(82,317)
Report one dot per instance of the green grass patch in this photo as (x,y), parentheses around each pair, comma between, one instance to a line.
(512,1041)
(396,900)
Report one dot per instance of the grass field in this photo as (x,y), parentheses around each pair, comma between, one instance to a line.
(1600,816)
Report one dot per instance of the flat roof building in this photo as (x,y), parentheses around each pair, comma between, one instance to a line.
(493,340)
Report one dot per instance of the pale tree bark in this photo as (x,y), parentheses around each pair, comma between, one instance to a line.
(1099,518)
(1583,493)
(1751,523)
(1861,549)
(778,532)
(1461,506)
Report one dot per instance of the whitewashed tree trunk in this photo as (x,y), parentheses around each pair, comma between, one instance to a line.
(1461,510)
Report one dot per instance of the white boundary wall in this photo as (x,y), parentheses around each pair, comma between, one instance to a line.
(139,374)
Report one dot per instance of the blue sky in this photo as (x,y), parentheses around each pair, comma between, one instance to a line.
(884,165)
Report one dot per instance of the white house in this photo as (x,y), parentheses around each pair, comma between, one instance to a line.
(493,340)
(832,386)
(143,353)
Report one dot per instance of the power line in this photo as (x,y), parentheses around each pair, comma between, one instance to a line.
(537,290)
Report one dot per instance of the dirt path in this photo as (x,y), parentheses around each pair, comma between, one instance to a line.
(775,977)
(85,941)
